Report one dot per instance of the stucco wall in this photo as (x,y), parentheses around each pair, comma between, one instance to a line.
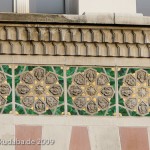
(96,6)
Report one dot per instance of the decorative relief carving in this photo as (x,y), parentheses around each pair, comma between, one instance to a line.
(79,79)
(28,101)
(135,92)
(51,101)
(51,78)
(5,89)
(40,106)
(2,77)
(80,102)
(75,90)
(141,76)
(39,73)
(90,75)
(130,80)
(107,91)
(102,79)
(143,108)
(27,78)
(56,90)
(91,91)
(2,101)
(102,102)
(92,107)
(39,90)
(131,103)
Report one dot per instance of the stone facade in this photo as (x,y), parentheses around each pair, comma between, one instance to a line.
(90,66)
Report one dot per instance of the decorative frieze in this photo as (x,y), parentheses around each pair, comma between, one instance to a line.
(83,41)
(75,35)
(74,90)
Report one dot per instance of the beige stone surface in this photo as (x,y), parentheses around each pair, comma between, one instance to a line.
(71,60)
(104,138)
(92,18)
(132,20)
(60,134)
(7,134)
(117,6)
(80,121)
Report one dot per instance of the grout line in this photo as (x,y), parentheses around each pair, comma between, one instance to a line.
(13,89)
(116,91)
(65,90)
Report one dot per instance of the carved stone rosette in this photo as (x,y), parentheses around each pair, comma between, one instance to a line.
(5,89)
(39,90)
(135,92)
(91,91)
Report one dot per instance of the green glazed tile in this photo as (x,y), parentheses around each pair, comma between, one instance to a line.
(112,83)
(99,70)
(70,71)
(82,112)
(30,68)
(148,114)
(60,110)
(132,70)
(9,80)
(17,80)
(111,111)
(48,112)
(48,68)
(100,113)
(123,111)
(19,109)
(69,81)
(61,99)
(59,71)
(19,70)
(113,101)
(69,100)
(7,69)
(122,72)
(120,83)
(61,81)
(7,109)
(9,98)
(110,72)
(81,69)
(31,112)
(133,113)
(17,99)
(72,110)
(121,101)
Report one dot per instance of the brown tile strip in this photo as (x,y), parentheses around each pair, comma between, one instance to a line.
(79,139)
(28,133)
(133,138)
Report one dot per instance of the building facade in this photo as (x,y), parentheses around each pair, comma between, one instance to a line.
(76,82)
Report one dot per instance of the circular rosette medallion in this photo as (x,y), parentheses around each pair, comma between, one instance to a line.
(135,92)
(39,90)
(91,91)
